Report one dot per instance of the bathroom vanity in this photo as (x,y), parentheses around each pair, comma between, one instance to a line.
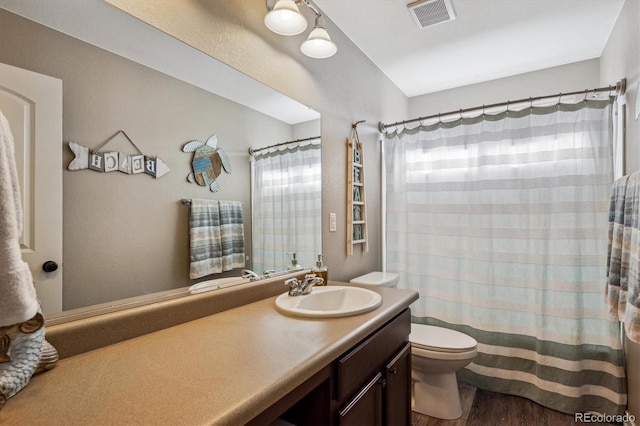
(248,364)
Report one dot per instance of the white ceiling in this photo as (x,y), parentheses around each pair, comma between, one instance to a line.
(489,39)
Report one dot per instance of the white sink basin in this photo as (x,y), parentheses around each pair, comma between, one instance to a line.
(328,302)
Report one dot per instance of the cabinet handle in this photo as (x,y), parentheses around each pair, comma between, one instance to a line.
(360,394)
(393,370)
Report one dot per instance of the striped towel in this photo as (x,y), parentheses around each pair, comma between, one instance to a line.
(623,261)
(217,237)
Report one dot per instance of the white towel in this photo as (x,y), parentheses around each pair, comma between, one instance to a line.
(18,300)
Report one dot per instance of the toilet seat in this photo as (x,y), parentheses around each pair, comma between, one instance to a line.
(440,339)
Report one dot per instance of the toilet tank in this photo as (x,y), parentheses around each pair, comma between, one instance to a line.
(384,279)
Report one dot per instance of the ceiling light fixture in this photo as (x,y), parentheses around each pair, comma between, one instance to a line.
(319,45)
(284,18)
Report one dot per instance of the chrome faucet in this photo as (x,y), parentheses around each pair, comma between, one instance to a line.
(248,273)
(300,288)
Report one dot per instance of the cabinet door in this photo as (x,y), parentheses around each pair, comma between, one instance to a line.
(371,355)
(366,407)
(398,389)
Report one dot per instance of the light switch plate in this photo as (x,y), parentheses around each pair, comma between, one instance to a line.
(332,222)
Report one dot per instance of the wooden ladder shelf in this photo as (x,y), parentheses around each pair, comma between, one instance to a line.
(356,207)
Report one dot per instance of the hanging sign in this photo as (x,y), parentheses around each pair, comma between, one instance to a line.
(116,161)
(208,162)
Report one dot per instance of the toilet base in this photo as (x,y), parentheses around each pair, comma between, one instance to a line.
(436,395)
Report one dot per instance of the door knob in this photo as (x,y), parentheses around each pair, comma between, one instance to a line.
(49,266)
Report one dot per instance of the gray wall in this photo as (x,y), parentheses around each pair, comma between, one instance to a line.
(567,78)
(621,58)
(126,235)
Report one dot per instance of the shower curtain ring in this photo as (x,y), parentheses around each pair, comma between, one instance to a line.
(586,93)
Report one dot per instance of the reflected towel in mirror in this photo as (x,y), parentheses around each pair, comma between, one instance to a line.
(216,237)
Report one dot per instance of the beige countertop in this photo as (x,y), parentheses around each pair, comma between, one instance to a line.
(222,369)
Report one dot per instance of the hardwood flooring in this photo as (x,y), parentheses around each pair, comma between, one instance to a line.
(483,408)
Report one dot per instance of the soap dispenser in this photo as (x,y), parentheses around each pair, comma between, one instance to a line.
(320,270)
(294,263)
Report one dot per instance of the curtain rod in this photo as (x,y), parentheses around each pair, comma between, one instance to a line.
(619,88)
(253,151)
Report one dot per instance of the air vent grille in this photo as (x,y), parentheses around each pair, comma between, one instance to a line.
(431,12)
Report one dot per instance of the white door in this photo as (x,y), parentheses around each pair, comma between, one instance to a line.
(32,103)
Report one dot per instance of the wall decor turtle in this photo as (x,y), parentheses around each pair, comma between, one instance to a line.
(208,162)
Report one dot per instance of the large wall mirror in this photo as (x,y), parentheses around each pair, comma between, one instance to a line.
(128,235)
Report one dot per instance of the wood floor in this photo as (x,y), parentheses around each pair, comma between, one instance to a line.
(483,408)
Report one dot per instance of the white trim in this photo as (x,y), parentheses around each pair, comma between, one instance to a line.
(383,203)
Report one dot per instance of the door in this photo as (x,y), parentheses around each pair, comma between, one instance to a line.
(32,103)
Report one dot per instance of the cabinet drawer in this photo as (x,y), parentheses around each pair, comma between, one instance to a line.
(359,364)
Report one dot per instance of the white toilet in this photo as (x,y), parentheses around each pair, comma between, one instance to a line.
(436,354)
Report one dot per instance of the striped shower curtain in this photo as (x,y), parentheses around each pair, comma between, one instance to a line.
(500,222)
(286,207)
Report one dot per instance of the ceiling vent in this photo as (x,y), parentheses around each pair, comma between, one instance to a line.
(431,12)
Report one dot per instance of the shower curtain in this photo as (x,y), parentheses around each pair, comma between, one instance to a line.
(500,223)
(286,207)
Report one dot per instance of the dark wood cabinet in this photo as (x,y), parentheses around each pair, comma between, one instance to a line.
(397,379)
(383,359)
(370,384)
(366,407)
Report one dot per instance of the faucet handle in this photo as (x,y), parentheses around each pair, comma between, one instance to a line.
(310,280)
(294,286)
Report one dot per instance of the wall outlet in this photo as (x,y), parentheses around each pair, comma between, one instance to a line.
(332,222)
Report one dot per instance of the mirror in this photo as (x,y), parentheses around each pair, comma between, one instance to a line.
(127,235)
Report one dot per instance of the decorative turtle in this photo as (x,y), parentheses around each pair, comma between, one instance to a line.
(208,162)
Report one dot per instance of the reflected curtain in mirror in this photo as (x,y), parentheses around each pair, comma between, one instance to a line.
(286,207)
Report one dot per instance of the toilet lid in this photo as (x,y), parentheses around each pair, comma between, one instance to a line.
(385,279)
(440,339)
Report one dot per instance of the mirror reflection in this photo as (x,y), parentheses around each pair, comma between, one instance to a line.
(128,235)
(286,197)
